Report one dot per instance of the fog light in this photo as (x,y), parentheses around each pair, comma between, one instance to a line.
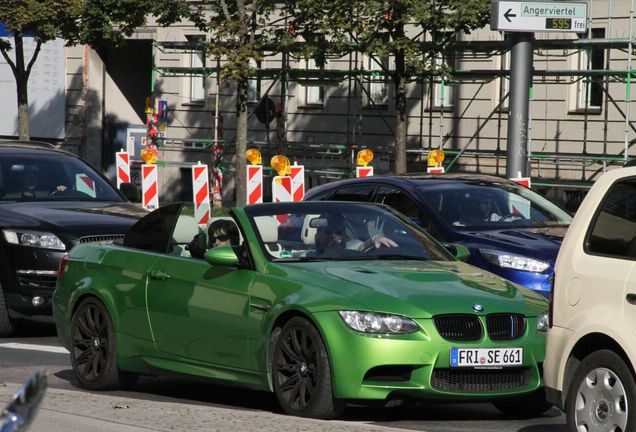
(38,301)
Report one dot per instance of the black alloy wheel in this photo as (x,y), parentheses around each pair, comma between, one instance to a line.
(93,350)
(302,374)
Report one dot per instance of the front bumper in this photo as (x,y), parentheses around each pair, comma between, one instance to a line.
(28,273)
(377,367)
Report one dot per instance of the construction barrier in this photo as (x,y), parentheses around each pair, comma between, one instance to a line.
(281,192)
(122,162)
(364,171)
(149,188)
(254,184)
(297,182)
(201,193)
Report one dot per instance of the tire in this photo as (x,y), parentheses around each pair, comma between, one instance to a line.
(94,347)
(527,406)
(302,374)
(7,324)
(601,395)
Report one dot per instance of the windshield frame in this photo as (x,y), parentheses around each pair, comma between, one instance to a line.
(431,249)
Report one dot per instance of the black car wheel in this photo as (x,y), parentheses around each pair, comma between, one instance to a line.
(528,406)
(302,374)
(7,325)
(602,395)
(93,350)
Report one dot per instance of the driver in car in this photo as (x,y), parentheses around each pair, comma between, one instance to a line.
(334,237)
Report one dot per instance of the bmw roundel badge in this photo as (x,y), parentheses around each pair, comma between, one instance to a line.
(478,308)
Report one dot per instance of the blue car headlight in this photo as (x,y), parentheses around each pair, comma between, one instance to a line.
(512,261)
(39,239)
(378,323)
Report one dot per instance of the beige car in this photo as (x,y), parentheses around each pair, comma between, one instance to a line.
(591,353)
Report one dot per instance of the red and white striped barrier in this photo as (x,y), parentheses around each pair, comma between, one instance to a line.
(201,192)
(281,192)
(84,183)
(122,162)
(254,184)
(297,182)
(149,188)
(435,170)
(364,171)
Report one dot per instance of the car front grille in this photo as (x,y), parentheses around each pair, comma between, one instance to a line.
(458,327)
(505,326)
(464,327)
(103,239)
(37,278)
(480,380)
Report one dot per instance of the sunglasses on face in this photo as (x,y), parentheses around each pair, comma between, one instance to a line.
(220,237)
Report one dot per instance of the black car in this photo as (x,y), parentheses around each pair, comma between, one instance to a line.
(510,230)
(50,200)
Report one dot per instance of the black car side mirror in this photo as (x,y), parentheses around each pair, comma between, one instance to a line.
(131,192)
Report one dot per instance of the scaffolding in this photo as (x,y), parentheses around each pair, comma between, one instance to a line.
(556,161)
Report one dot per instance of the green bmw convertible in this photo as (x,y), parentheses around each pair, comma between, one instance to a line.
(322,303)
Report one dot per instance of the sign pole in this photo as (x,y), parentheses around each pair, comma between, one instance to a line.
(521,72)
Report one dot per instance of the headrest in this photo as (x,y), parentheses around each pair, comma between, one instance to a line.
(268,228)
(185,230)
(307,233)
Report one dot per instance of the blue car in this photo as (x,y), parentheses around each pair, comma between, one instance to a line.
(509,229)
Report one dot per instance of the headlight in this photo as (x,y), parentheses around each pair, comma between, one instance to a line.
(517,262)
(37,239)
(371,322)
(543,322)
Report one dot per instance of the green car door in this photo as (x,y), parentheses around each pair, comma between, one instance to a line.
(199,311)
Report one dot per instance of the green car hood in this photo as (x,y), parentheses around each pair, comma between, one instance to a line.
(422,289)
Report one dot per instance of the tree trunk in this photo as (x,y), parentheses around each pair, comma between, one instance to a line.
(400,114)
(241,143)
(22,79)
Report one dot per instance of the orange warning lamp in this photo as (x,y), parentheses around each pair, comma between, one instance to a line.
(149,155)
(281,165)
(364,157)
(254,156)
(435,158)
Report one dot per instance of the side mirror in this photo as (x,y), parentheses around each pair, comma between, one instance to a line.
(19,414)
(223,256)
(131,192)
(459,251)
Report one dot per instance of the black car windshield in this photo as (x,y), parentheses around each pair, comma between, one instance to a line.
(482,205)
(54,177)
(319,231)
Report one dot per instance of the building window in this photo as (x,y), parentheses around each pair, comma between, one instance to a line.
(503,83)
(196,61)
(377,87)
(590,88)
(314,94)
(442,97)
(254,84)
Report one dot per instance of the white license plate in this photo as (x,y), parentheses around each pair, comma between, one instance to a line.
(484,357)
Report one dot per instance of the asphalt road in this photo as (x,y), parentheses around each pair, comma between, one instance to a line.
(176,404)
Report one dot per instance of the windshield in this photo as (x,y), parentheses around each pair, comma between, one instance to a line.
(318,231)
(55,177)
(491,206)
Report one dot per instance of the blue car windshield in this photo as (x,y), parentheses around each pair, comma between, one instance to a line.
(55,177)
(325,231)
(471,206)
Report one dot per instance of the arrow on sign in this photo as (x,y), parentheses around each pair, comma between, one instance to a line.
(507,15)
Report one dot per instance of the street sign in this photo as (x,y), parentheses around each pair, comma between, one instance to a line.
(519,16)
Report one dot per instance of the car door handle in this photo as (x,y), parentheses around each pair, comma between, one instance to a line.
(631,298)
(159,275)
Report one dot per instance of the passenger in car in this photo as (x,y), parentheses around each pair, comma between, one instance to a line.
(220,233)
